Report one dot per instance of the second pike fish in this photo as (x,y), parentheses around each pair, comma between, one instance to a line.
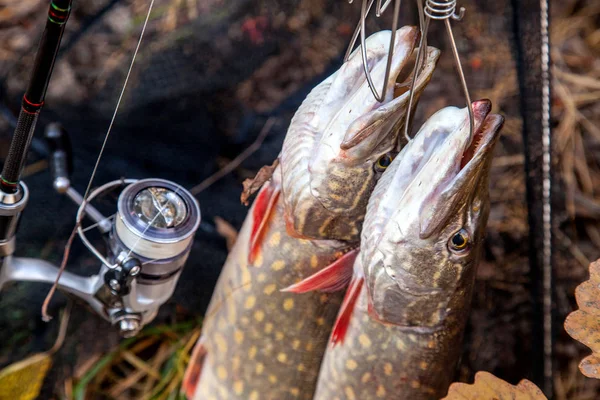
(420,245)
(259,342)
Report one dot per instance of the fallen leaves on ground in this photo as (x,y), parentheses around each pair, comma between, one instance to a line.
(23,380)
(488,387)
(584,324)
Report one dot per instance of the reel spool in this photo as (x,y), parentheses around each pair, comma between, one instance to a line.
(156,218)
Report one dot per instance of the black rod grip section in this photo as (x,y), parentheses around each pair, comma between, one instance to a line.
(33,100)
(60,153)
(17,152)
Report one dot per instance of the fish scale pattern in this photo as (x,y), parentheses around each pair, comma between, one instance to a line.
(255,336)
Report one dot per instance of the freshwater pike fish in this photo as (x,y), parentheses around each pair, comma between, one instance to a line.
(261,343)
(343,132)
(420,245)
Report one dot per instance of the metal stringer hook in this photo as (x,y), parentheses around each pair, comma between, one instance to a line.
(437,10)
(441,10)
(361,29)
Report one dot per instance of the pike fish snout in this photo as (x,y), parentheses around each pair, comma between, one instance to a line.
(424,226)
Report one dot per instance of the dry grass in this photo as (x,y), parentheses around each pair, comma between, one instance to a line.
(149,366)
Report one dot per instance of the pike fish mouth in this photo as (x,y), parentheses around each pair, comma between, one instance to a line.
(340,132)
(471,146)
(396,105)
(463,162)
(482,137)
(471,162)
(370,129)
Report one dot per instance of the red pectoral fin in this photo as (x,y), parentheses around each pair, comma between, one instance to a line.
(193,371)
(261,216)
(332,278)
(343,320)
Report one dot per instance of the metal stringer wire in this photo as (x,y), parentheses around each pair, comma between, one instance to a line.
(441,10)
(361,29)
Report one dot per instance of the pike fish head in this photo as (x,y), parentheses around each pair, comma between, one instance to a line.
(341,139)
(426,219)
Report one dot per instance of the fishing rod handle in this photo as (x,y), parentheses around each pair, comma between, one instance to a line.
(33,100)
(13,165)
(60,156)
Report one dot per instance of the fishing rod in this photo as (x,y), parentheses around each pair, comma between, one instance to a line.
(149,237)
(13,193)
(532,48)
(33,100)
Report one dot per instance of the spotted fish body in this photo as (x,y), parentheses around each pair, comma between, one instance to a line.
(404,337)
(264,343)
(259,342)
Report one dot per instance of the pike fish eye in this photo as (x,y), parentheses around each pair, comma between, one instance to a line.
(459,242)
(383,162)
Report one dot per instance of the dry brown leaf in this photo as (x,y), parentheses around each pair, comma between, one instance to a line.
(226,230)
(584,324)
(488,387)
(251,186)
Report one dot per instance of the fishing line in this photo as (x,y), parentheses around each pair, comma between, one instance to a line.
(112,121)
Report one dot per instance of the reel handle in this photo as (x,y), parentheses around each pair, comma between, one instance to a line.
(60,156)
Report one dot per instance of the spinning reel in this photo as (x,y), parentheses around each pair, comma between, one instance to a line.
(148,238)
(148,241)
